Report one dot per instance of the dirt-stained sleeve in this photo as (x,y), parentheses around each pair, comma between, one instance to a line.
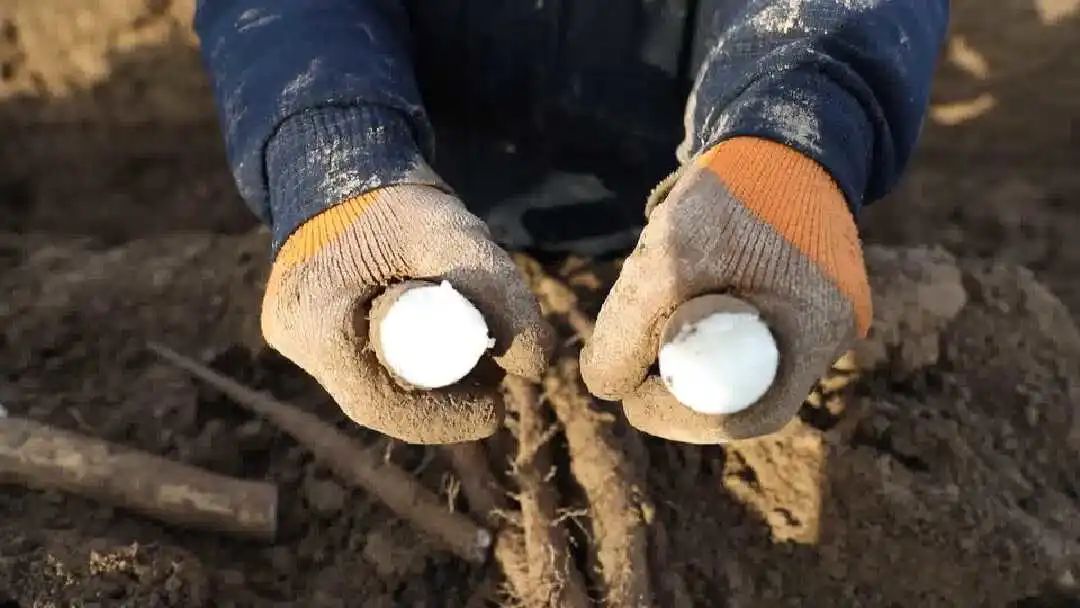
(844,81)
(317,101)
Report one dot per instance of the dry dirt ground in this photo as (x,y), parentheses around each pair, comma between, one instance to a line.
(942,473)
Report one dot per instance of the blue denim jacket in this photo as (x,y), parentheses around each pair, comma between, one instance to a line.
(322,100)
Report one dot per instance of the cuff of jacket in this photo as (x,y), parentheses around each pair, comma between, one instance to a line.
(324,156)
(808,111)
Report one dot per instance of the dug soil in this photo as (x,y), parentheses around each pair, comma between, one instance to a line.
(935,467)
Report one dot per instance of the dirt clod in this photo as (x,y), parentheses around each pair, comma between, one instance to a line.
(324,496)
(916,292)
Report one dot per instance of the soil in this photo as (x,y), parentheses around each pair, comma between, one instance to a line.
(940,470)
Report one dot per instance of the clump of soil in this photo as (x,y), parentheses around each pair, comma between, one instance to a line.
(902,491)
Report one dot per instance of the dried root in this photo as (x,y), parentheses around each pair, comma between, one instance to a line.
(43,457)
(598,462)
(600,466)
(554,579)
(356,465)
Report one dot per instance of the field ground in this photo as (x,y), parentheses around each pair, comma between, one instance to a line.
(944,473)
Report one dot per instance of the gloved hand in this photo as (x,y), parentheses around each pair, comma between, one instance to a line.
(328,271)
(760,221)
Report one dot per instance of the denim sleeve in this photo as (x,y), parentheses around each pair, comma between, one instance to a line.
(317,100)
(845,82)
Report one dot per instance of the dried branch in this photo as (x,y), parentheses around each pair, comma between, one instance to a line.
(356,465)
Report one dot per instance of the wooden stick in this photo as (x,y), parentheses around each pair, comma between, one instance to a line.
(43,457)
(356,465)
(554,579)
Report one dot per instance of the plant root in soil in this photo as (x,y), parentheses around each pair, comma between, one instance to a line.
(359,466)
(46,458)
(554,577)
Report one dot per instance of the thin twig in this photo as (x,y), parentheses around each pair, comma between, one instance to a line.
(356,465)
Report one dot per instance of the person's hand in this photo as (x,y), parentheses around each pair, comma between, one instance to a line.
(315,310)
(760,221)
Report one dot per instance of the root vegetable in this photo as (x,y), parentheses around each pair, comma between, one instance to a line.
(488,501)
(613,486)
(38,456)
(357,465)
(717,355)
(554,579)
(428,336)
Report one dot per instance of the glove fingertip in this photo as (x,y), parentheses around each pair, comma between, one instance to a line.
(651,409)
(529,351)
(623,346)
(602,378)
(372,398)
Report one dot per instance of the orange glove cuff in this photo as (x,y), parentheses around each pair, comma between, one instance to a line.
(322,229)
(799,199)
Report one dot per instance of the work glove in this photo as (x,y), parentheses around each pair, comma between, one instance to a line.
(757,220)
(315,310)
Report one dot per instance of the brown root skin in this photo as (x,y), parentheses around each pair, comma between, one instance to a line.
(42,457)
(554,580)
(613,488)
(488,503)
(486,496)
(380,306)
(355,464)
(599,463)
(701,307)
(653,409)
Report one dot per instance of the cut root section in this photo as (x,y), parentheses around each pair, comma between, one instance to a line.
(557,441)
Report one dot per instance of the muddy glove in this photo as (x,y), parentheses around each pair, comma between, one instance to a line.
(315,310)
(762,222)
